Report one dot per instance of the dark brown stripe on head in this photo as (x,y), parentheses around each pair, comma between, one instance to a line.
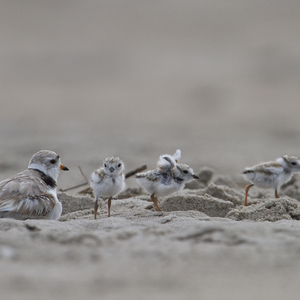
(248,171)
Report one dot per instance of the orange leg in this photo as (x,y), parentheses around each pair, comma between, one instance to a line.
(246,192)
(154,199)
(276,195)
(108,205)
(95,209)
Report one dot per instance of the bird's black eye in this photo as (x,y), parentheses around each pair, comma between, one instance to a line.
(105,165)
(185,171)
(294,163)
(119,165)
(53,161)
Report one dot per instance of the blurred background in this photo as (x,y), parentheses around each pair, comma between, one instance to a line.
(89,79)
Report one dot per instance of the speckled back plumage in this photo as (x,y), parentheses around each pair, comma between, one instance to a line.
(163,183)
(273,173)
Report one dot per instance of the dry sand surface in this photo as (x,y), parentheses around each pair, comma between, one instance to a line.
(90,79)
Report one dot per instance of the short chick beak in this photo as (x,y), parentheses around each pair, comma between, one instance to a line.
(111,169)
(195,176)
(62,167)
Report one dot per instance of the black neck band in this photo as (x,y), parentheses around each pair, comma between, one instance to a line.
(47,179)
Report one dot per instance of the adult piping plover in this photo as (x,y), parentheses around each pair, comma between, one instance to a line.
(108,181)
(271,174)
(31,194)
(165,180)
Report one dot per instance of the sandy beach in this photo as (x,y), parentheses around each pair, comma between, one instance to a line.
(90,79)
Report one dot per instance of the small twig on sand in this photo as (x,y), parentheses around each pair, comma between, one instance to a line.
(127,175)
(86,191)
(83,174)
(73,187)
(79,185)
(131,173)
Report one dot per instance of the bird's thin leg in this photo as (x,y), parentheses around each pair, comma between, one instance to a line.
(157,204)
(108,205)
(276,195)
(154,199)
(96,208)
(246,192)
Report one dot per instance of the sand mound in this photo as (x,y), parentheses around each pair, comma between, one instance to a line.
(72,203)
(225,193)
(273,210)
(207,204)
(215,200)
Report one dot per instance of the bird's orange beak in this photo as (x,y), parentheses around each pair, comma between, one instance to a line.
(62,167)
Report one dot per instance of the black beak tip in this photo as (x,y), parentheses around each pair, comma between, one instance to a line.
(65,169)
(195,176)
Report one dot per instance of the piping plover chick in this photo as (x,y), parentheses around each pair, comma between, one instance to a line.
(31,194)
(271,174)
(108,181)
(159,182)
